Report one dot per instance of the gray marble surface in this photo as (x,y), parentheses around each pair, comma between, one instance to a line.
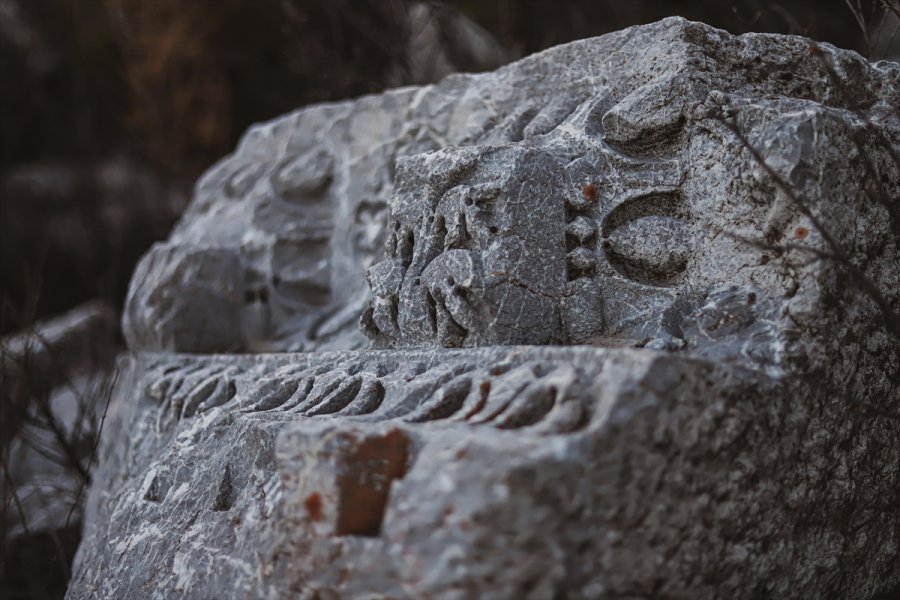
(593,325)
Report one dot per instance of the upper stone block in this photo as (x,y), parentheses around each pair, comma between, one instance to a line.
(582,195)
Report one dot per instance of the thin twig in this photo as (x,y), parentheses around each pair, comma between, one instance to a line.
(14,492)
(780,248)
(861,22)
(95,447)
(890,7)
(838,255)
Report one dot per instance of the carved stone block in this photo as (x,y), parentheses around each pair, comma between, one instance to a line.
(625,313)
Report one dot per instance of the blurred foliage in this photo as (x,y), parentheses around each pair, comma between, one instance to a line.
(202,71)
(532,25)
(177,81)
(60,95)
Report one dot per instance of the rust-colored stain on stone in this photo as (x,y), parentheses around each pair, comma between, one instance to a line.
(314,506)
(485,390)
(365,481)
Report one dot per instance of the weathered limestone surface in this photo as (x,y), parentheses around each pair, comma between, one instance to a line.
(550,331)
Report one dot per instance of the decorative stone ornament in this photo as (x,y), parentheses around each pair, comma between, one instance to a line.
(598,324)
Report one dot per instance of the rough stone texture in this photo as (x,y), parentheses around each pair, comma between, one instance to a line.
(725,424)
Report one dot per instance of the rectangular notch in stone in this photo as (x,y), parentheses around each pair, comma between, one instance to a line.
(364,482)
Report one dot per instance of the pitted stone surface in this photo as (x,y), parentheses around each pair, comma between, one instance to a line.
(602,353)
(635,472)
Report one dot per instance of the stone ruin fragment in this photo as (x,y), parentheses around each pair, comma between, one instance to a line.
(575,328)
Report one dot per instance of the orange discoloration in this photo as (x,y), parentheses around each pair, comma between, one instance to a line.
(801,232)
(589,191)
(314,506)
(365,480)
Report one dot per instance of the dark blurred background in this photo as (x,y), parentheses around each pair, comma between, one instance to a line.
(110,109)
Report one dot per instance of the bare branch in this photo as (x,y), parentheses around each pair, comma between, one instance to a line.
(890,7)
(837,253)
(861,22)
(96,446)
(780,248)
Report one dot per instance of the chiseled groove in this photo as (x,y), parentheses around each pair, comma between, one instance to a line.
(446,402)
(492,412)
(176,393)
(416,389)
(161,389)
(338,399)
(322,389)
(225,391)
(367,401)
(479,396)
(568,415)
(531,406)
(304,387)
(277,396)
(199,394)
(451,394)
(179,397)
